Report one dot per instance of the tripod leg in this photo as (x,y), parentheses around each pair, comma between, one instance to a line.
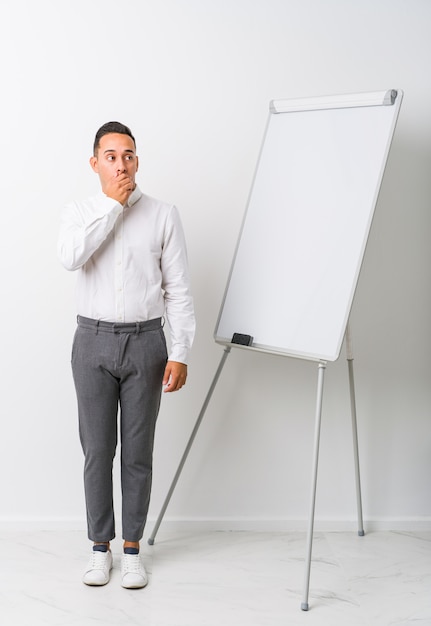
(322,367)
(361,532)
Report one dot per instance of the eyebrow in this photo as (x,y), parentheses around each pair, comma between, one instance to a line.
(112,150)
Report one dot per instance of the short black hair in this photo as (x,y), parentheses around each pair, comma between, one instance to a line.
(111,127)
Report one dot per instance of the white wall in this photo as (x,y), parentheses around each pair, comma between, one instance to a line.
(193,79)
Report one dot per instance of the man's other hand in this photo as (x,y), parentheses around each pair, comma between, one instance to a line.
(175,376)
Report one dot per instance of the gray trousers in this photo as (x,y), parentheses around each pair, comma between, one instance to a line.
(118,365)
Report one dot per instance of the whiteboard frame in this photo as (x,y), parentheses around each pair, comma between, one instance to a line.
(392,98)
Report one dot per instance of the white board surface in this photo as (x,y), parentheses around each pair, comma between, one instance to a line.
(305,229)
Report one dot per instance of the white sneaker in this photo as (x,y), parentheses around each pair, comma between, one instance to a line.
(98,568)
(133,574)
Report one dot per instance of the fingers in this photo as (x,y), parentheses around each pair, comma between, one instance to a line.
(174,384)
(120,187)
(124,181)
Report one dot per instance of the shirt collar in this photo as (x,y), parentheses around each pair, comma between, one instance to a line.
(134,196)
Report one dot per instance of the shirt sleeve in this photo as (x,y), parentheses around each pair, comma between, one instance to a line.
(84,227)
(176,285)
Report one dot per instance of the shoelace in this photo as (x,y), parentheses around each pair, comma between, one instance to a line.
(131,563)
(98,560)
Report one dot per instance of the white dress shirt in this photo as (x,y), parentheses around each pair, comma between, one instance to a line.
(131,262)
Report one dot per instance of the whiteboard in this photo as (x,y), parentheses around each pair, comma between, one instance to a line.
(308,217)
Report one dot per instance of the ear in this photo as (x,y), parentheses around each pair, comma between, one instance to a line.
(137,163)
(94,164)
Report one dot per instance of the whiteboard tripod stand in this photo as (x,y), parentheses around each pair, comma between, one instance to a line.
(318,416)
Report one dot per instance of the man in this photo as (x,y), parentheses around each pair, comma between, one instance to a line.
(130,255)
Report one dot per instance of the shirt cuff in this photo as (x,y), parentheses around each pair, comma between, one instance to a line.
(180,354)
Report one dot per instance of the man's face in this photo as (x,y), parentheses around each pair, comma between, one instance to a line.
(116,156)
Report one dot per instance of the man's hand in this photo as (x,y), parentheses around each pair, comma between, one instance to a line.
(119,188)
(175,376)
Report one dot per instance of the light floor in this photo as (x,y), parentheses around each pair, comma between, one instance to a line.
(222,579)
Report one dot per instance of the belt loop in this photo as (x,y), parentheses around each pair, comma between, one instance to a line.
(97,327)
(137,328)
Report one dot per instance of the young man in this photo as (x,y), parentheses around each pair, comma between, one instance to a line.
(130,255)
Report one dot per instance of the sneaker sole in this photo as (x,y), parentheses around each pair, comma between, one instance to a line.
(134,586)
(95,584)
